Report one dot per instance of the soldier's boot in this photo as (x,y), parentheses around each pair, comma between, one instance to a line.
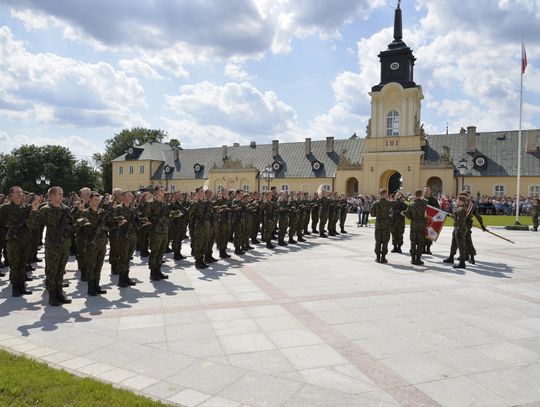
(471,259)
(61,297)
(154,275)
(168,249)
(292,241)
(535,229)
(314,231)
(450,259)
(16,289)
(23,289)
(307,232)
(2,274)
(209,259)
(460,265)
(27,278)
(282,242)
(114,269)
(161,275)
(250,247)
(383,259)
(99,290)
(343,230)
(301,239)
(378,259)
(129,280)
(427,250)
(394,249)
(269,245)
(255,241)
(177,256)
(223,254)
(419,261)
(53,298)
(200,264)
(145,253)
(29,267)
(322,234)
(122,280)
(239,251)
(91,288)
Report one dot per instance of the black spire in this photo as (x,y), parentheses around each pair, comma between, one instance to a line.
(397,61)
(398,29)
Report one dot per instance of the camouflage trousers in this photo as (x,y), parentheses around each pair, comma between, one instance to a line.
(125,246)
(417,236)
(314,220)
(56,257)
(18,252)
(94,255)
(283,226)
(382,236)
(398,229)
(158,244)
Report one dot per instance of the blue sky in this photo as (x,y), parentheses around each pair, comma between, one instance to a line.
(211,72)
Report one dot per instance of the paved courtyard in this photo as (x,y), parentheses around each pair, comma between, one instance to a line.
(320,325)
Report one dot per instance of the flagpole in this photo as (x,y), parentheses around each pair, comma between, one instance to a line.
(519,133)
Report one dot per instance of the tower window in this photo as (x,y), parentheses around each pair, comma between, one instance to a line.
(392,123)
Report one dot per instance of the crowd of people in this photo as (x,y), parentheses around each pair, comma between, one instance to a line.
(153,222)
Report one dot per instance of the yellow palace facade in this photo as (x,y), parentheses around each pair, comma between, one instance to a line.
(395,153)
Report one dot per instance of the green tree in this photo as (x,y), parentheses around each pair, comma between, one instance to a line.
(119,144)
(175,143)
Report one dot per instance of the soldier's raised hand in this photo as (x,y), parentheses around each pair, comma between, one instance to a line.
(37,202)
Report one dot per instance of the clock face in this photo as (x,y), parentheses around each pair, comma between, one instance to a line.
(316,166)
(480,161)
(394,66)
(276,166)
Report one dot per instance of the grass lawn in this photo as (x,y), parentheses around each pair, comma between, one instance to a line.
(24,382)
(489,220)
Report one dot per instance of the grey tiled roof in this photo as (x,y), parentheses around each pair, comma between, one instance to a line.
(295,164)
(152,151)
(499,148)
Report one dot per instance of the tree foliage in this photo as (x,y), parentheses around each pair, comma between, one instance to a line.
(28,162)
(118,145)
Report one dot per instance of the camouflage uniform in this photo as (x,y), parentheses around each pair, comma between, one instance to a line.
(343,208)
(267,210)
(76,213)
(157,213)
(314,215)
(324,205)
(416,212)
(59,223)
(469,246)
(126,240)
(143,234)
(238,226)
(223,226)
(460,234)
(293,219)
(300,221)
(210,224)
(398,226)
(198,230)
(535,213)
(178,228)
(95,247)
(14,218)
(282,211)
(381,211)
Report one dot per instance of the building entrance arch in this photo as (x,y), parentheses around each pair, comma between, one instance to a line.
(436,185)
(352,186)
(392,181)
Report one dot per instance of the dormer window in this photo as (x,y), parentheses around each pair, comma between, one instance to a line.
(392,123)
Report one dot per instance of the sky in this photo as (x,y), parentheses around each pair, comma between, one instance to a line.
(213,72)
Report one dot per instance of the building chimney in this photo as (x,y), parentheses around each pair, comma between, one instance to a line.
(329,145)
(532,141)
(253,144)
(236,144)
(275,148)
(471,139)
(308,146)
(224,152)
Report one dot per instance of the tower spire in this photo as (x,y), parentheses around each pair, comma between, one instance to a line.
(398,29)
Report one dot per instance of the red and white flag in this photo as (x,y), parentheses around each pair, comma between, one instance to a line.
(523,57)
(435,218)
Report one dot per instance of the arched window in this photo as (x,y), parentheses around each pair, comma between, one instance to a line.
(392,123)
(285,187)
(245,188)
(219,188)
(327,188)
(498,190)
(264,188)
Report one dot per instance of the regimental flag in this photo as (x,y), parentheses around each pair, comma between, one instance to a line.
(435,218)
(523,57)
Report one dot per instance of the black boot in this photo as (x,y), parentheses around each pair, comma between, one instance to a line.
(129,281)
(343,231)
(383,259)
(419,260)
(471,259)
(178,256)
(292,241)
(255,241)
(27,278)
(122,281)
(238,251)
(168,249)
(209,259)
(29,267)
(307,232)
(394,249)
(460,265)
(269,245)
(378,259)
(450,260)
(23,289)
(281,243)
(154,275)
(314,231)
(53,299)
(145,253)
(2,274)
(91,288)
(322,234)
(99,290)
(61,297)
(16,290)
(223,254)
(200,264)
(301,239)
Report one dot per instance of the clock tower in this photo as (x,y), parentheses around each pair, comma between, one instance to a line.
(393,144)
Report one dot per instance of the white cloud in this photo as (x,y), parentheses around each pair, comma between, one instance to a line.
(234,71)
(138,67)
(65,91)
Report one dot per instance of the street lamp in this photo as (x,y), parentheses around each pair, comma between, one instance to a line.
(43,182)
(268,174)
(462,171)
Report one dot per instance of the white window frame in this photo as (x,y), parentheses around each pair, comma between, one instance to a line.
(141,169)
(219,189)
(245,188)
(130,169)
(172,188)
(265,188)
(327,187)
(534,190)
(499,190)
(285,188)
(121,170)
(392,123)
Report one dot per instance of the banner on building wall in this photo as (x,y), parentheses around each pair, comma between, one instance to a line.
(435,218)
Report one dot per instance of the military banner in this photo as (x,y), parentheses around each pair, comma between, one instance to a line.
(435,218)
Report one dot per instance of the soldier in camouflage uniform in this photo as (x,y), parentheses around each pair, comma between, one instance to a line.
(416,212)
(57,218)
(282,211)
(210,222)
(306,213)
(76,213)
(398,224)
(157,212)
(293,217)
(143,235)
(267,210)
(256,218)
(343,209)
(332,215)
(14,218)
(113,256)
(198,228)
(223,210)
(300,206)
(461,229)
(324,205)
(535,213)
(95,232)
(178,226)
(315,213)
(238,226)
(381,210)
(471,251)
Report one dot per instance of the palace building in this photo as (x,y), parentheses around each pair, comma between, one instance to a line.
(394,154)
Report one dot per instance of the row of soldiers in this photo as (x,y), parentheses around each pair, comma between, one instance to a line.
(150,222)
(390,217)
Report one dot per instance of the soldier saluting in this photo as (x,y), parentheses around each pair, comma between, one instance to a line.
(57,218)
(381,210)
(14,217)
(416,212)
